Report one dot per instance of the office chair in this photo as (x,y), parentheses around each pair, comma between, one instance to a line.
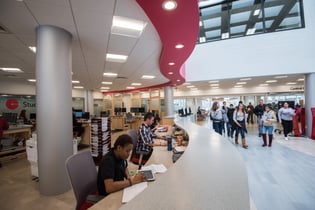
(83,178)
(133,134)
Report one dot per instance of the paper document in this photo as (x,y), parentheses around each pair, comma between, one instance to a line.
(155,168)
(130,192)
(180,149)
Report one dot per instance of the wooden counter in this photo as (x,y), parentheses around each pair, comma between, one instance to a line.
(209,175)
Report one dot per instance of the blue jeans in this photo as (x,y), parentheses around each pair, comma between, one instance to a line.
(268,129)
(240,130)
(260,125)
(217,126)
(230,131)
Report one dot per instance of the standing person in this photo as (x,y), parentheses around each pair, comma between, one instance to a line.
(250,112)
(239,118)
(216,116)
(23,117)
(230,125)
(3,126)
(224,115)
(286,114)
(259,111)
(113,173)
(268,118)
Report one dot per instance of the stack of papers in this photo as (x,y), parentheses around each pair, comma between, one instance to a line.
(155,168)
(130,192)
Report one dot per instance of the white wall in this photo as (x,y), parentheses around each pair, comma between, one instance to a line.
(286,52)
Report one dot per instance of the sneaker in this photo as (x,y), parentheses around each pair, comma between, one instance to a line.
(286,138)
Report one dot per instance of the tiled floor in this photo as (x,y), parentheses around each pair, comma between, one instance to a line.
(280,177)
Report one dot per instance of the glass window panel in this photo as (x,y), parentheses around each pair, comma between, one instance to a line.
(273,11)
(268,23)
(239,17)
(238,29)
(291,22)
(241,4)
(295,9)
(213,22)
(211,10)
(213,33)
(259,26)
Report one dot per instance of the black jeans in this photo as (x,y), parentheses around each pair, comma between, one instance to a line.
(287,126)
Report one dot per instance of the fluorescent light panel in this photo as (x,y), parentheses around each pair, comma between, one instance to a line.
(109,74)
(107,83)
(179,46)
(75,82)
(31,80)
(105,88)
(241,83)
(32,48)
(130,87)
(127,27)
(147,77)
(116,58)
(291,83)
(78,87)
(282,76)
(8,69)
(214,81)
(271,81)
(190,86)
(238,86)
(300,80)
(136,84)
(246,79)
(214,85)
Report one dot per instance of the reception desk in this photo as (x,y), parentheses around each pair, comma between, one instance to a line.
(209,175)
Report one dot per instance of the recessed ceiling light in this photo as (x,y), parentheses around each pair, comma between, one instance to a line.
(241,83)
(179,46)
(170,73)
(109,74)
(31,80)
(238,86)
(178,80)
(78,87)
(127,26)
(32,48)
(291,83)
(116,58)
(281,76)
(105,88)
(214,81)
(271,81)
(130,87)
(136,84)
(107,83)
(75,81)
(200,23)
(169,5)
(16,70)
(190,86)
(300,80)
(263,84)
(187,83)
(245,79)
(171,63)
(214,85)
(147,77)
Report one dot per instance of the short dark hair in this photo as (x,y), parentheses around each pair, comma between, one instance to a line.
(148,115)
(123,140)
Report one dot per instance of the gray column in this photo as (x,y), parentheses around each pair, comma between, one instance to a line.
(168,100)
(309,88)
(89,102)
(53,107)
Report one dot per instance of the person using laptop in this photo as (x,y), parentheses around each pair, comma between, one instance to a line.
(113,174)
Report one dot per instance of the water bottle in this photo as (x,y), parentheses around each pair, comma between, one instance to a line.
(169,142)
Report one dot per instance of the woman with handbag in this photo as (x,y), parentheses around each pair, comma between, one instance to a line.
(268,118)
(239,118)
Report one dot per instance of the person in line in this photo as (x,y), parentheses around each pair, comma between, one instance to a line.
(239,118)
(230,125)
(250,112)
(113,173)
(224,115)
(268,119)
(145,142)
(216,116)
(23,117)
(259,111)
(285,115)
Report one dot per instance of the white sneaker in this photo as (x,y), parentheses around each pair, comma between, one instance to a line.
(286,138)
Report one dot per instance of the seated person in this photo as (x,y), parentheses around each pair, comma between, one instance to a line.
(156,123)
(145,142)
(113,174)
(77,126)
(23,117)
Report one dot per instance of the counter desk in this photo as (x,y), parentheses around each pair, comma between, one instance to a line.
(209,175)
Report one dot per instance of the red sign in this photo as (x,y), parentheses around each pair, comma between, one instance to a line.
(12,104)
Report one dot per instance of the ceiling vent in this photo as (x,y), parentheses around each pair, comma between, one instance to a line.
(119,77)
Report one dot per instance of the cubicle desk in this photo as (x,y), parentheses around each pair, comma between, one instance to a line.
(209,175)
(117,122)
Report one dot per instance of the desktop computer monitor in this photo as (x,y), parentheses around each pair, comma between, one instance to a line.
(134,109)
(78,115)
(86,115)
(123,110)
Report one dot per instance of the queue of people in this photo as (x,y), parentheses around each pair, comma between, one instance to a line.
(235,120)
